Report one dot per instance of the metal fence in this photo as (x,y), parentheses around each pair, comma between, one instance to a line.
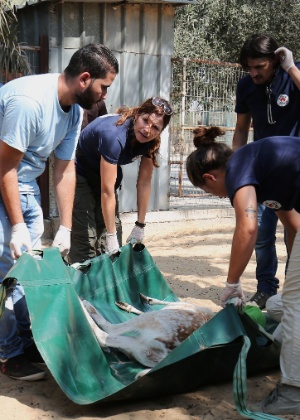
(203,93)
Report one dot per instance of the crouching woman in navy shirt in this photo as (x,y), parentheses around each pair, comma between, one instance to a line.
(266,172)
(105,144)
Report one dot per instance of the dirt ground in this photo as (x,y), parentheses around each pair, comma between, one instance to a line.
(193,256)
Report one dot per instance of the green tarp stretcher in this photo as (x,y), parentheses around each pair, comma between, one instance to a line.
(218,351)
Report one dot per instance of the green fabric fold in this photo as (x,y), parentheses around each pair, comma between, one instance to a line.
(87,373)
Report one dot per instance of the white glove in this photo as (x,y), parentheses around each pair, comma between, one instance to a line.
(137,235)
(20,237)
(234,292)
(285,57)
(62,240)
(112,243)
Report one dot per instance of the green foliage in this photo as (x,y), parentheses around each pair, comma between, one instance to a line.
(6,16)
(217,29)
(12,58)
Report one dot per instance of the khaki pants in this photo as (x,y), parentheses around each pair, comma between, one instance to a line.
(274,308)
(88,227)
(290,348)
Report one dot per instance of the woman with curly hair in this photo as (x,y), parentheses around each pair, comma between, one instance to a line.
(105,144)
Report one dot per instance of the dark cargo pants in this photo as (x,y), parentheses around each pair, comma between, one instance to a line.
(88,227)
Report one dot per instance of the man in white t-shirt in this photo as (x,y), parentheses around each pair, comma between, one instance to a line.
(39,115)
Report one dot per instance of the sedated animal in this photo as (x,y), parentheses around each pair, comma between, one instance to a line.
(151,336)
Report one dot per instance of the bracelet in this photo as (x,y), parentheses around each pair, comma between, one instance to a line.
(139,224)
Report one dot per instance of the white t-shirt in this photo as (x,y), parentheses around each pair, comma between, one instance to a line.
(32,121)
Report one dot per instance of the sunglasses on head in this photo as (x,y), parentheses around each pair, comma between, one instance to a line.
(156,101)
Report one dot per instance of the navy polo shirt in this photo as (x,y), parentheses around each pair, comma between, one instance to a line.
(272,166)
(285,105)
(102,137)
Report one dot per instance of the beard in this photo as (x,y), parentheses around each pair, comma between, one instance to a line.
(86,99)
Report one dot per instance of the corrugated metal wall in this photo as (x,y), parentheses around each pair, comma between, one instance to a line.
(141,36)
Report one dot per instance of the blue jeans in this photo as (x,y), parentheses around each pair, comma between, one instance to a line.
(15,331)
(265,250)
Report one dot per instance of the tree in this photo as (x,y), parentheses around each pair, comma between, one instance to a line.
(217,29)
(12,59)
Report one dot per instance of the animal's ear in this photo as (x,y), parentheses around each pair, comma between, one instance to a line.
(155,354)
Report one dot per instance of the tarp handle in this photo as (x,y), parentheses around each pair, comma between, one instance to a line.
(240,386)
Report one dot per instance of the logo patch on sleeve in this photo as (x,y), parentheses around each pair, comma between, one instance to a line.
(283,100)
(272,204)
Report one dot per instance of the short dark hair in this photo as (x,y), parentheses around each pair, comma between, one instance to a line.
(258,46)
(96,59)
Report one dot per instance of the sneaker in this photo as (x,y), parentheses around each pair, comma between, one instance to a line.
(33,355)
(259,299)
(19,367)
(284,399)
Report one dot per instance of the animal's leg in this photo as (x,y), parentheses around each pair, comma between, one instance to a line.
(100,335)
(178,305)
(127,345)
(128,308)
(97,317)
(152,301)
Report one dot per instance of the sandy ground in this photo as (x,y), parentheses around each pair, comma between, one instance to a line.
(193,256)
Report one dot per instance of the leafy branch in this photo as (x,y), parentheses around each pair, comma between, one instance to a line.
(13,60)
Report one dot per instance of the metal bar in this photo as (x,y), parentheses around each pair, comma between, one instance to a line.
(182,121)
(188,128)
(200,195)
(196,60)
(29,47)
(44,54)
